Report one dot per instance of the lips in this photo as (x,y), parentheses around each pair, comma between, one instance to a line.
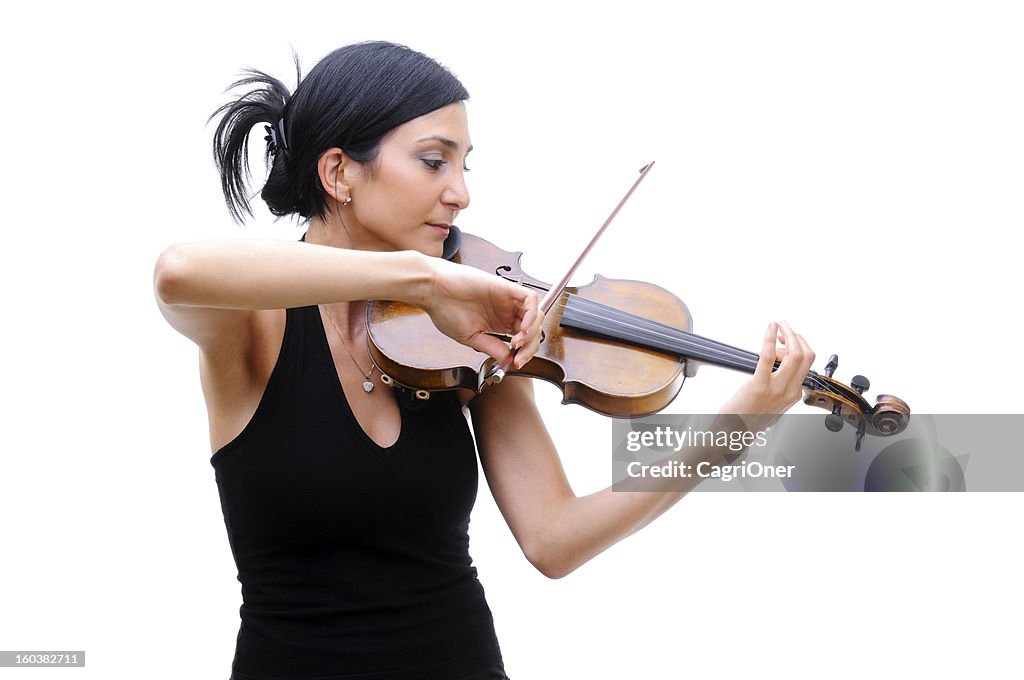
(443,228)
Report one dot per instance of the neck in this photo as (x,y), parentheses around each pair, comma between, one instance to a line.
(330,232)
(343,231)
(347,317)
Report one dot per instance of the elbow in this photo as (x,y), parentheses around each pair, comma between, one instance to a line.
(170,276)
(550,561)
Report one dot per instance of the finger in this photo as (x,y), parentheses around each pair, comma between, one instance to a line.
(488,344)
(794,353)
(766,361)
(800,360)
(522,328)
(522,357)
(528,350)
(531,341)
(808,355)
(529,325)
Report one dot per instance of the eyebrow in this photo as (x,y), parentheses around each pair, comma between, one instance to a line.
(444,140)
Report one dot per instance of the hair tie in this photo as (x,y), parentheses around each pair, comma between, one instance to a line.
(275,138)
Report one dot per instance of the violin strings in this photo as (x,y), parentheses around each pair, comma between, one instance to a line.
(714,351)
(634,331)
(630,321)
(627,324)
(741,359)
(627,320)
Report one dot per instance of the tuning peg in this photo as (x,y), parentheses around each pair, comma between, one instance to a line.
(834,421)
(832,365)
(860,383)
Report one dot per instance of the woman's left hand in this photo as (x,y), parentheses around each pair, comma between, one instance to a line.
(763,398)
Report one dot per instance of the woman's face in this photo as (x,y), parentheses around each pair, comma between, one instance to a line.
(417,187)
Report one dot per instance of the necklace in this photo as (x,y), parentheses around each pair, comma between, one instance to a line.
(368,383)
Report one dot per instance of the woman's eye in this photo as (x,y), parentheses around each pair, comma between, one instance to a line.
(433,163)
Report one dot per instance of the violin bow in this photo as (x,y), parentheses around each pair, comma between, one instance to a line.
(497,372)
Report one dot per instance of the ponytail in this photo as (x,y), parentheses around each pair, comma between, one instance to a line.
(266,104)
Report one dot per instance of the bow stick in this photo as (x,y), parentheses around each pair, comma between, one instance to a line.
(495,374)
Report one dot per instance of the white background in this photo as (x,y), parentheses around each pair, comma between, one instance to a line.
(854,169)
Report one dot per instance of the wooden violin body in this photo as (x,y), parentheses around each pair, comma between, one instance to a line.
(609,376)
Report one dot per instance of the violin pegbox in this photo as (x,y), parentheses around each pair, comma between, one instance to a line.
(889,416)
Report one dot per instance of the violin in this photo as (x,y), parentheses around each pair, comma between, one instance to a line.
(621,348)
(616,362)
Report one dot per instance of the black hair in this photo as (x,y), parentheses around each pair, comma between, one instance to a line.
(351,99)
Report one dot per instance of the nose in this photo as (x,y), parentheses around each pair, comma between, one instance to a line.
(456,194)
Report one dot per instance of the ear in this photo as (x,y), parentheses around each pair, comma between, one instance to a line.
(332,167)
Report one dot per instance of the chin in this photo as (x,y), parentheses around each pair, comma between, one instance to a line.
(434,247)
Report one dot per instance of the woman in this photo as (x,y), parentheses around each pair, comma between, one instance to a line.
(347,515)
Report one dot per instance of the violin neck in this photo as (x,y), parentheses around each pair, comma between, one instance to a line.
(593,317)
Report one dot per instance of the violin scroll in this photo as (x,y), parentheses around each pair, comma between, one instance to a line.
(890,415)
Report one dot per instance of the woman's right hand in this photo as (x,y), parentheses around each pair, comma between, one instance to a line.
(468,305)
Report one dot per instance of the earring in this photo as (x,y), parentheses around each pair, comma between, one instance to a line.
(348,199)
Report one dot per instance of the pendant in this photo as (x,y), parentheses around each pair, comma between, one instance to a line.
(368,386)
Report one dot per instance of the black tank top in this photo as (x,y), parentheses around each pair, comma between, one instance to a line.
(353,558)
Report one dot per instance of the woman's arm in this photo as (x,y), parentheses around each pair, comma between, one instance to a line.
(559,531)
(208,290)
(269,274)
